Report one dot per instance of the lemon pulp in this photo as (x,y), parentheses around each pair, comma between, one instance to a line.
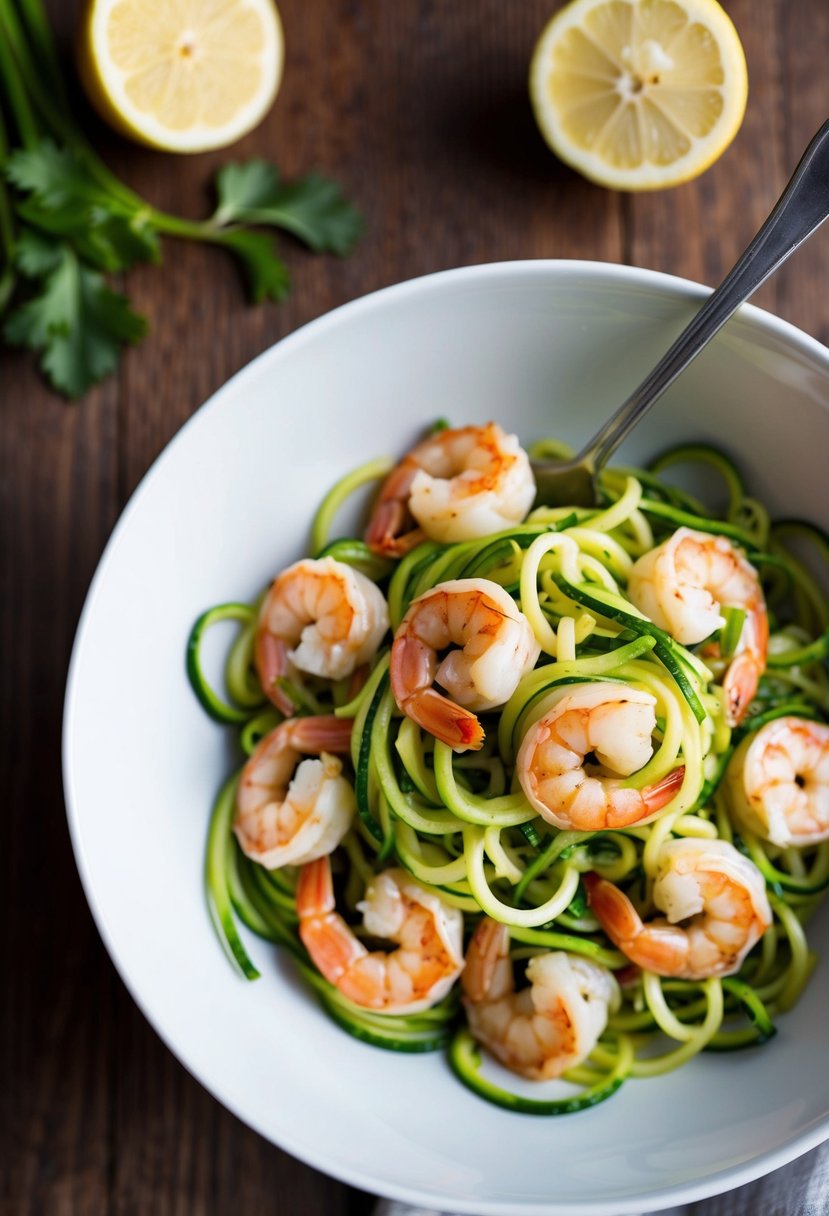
(639,94)
(185,75)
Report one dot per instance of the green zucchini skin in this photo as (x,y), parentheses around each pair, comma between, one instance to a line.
(417,792)
(208,698)
(465,1061)
(664,646)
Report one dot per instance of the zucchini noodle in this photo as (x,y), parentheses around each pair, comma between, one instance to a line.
(462,824)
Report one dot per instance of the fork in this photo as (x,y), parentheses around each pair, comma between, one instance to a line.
(800,210)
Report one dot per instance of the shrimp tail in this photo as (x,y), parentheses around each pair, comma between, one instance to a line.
(489,944)
(451,723)
(324,933)
(392,531)
(322,733)
(357,683)
(655,947)
(659,795)
(388,534)
(271,660)
(413,666)
(315,889)
(740,685)
(614,911)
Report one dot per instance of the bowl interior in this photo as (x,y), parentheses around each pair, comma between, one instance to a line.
(544,348)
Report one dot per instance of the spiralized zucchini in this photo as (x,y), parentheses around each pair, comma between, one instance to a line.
(460,823)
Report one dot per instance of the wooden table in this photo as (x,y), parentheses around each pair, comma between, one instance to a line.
(419,108)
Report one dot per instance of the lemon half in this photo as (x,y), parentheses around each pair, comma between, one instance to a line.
(183,75)
(639,94)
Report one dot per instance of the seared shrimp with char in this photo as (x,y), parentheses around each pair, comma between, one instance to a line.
(721,896)
(459,484)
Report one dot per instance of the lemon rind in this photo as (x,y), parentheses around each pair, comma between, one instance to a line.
(703,152)
(105,86)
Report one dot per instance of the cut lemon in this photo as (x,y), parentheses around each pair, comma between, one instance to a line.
(183,75)
(639,94)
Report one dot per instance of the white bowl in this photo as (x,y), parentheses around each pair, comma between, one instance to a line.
(544,348)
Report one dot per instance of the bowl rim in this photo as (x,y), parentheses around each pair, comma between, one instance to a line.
(669,285)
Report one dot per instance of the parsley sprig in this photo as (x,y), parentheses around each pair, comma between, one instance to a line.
(66,221)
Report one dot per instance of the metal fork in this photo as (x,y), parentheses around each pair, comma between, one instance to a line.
(800,210)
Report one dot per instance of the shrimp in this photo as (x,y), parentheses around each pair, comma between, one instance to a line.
(457,485)
(542,1030)
(413,977)
(615,723)
(331,614)
(720,893)
(778,782)
(683,583)
(286,817)
(498,648)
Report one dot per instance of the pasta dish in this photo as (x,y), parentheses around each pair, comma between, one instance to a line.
(543,786)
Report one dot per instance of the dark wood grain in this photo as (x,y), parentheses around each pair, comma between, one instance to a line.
(418,107)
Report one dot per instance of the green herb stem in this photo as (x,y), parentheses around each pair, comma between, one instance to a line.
(55,114)
(13,84)
(188,230)
(65,218)
(33,16)
(7,235)
(802,656)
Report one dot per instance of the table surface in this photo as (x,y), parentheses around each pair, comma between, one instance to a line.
(419,108)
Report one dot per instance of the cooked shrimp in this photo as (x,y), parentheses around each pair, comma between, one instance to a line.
(683,583)
(778,782)
(287,815)
(416,975)
(332,615)
(498,648)
(720,893)
(542,1030)
(457,485)
(613,722)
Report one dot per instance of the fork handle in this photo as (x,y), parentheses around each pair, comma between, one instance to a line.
(800,210)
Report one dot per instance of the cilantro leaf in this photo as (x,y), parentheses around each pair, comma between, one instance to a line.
(64,199)
(244,188)
(104,240)
(312,208)
(50,313)
(54,176)
(76,221)
(124,240)
(75,320)
(265,272)
(36,255)
(315,210)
